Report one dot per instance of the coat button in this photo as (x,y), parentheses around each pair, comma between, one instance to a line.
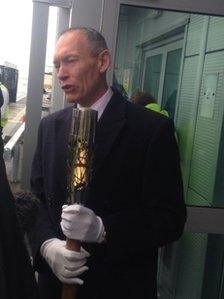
(107,204)
(49,201)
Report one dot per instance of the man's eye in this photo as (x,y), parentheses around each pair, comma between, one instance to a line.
(70,59)
(56,65)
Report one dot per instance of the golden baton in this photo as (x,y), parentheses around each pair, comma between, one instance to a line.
(80,157)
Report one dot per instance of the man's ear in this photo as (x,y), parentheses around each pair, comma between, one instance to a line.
(104,61)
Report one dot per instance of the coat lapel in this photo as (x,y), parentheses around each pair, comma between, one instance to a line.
(62,127)
(108,128)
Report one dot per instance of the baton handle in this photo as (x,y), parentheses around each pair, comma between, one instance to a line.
(69,291)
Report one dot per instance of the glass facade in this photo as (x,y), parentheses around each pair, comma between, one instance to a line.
(179,59)
(192,268)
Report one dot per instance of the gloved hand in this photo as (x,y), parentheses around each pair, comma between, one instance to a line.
(66,264)
(81,223)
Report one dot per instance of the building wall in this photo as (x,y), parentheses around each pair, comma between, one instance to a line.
(200,131)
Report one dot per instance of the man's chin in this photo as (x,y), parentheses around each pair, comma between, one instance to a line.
(71,99)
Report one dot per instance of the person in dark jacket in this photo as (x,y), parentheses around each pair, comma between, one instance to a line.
(146,100)
(1,102)
(17,280)
(135,202)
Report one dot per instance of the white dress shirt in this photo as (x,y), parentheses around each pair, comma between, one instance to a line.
(101,104)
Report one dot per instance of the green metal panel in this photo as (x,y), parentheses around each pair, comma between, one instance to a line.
(215,34)
(207,133)
(194,35)
(186,112)
(191,266)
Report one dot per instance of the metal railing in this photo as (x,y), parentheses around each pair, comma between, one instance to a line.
(12,153)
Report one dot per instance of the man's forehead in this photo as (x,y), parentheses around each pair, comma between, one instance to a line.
(72,37)
(74,41)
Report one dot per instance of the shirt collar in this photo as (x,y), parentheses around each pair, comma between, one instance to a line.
(101,104)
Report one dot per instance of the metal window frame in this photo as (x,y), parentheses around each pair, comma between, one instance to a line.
(58,3)
(205,220)
(172,46)
(215,7)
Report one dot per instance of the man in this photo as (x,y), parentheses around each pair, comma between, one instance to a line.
(135,203)
(17,279)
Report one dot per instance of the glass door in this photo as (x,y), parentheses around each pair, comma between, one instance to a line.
(187,80)
(161,68)
(171,78)
(152,74)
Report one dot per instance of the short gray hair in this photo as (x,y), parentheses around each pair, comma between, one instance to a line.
(96,39)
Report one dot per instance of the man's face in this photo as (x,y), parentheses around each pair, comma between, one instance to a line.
(80,74)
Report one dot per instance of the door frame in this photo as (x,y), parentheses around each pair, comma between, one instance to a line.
(164,50)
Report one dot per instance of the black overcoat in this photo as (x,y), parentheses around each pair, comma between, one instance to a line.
(136,189)
(17,279)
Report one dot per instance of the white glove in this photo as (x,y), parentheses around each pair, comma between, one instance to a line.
(66,264)
(81,223)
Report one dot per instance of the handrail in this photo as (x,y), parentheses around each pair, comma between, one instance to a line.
(13,141)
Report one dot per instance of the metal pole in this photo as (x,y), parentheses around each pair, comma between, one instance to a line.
(35,86)
(58,99)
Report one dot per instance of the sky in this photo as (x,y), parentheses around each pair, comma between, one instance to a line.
(15,24)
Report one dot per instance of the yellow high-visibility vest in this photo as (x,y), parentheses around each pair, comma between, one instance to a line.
(156,107)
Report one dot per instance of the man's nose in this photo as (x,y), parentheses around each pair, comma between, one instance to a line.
(62,73)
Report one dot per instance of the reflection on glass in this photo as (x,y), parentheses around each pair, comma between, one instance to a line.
(171,81)
(178,58)
(152,75)
(192,268)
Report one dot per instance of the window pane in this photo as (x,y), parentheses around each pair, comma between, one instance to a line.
(171,81)
(152,75)
(179,59)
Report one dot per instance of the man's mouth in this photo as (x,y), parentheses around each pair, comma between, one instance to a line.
(67,87)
